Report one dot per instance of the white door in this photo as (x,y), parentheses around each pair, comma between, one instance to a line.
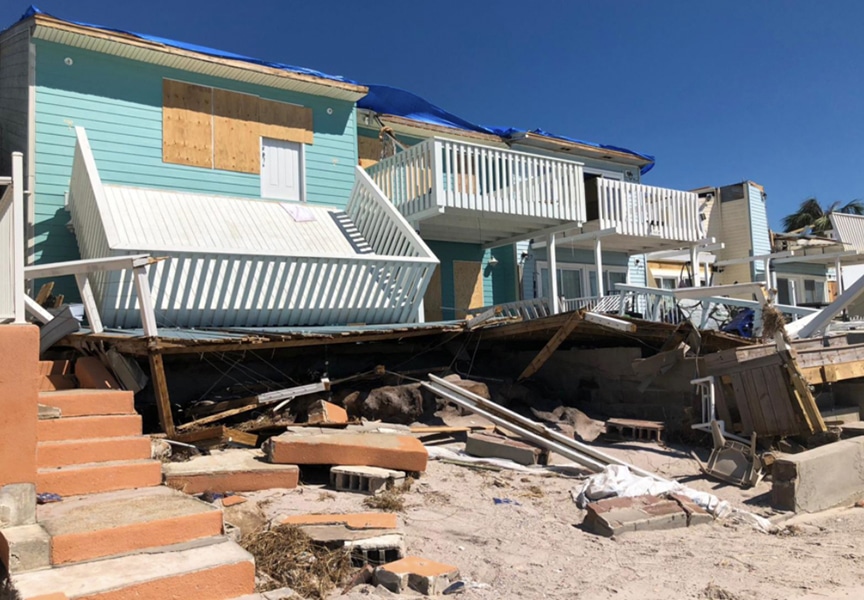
(281,170)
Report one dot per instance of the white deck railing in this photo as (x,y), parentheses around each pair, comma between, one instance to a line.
(222,287)
(644,210)
(533,308)
(12,243)
(440,173)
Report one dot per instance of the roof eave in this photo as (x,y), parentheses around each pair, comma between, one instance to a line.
(421,129)
(559,145)
(135,48)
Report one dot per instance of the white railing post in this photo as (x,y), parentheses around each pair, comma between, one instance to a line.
(553,274)
(18,236)
(435,162)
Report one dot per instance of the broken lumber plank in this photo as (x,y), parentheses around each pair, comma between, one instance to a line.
(208,433)
(44,293)
(610,322)
(241,437)
(217,417)
(160,387)
(551,346)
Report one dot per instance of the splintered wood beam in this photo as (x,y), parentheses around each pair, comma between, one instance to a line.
(160,387)
(551,346)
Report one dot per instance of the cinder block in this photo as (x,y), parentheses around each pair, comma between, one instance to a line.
(25,548)
(827,476)
(322,411)
(17,504)
(365,480)
(389,451)
(419,574)
(378,550)
(487,445)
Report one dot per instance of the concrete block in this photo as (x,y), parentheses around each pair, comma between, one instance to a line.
(93,375)
(93,478)
(378,550)
(487,445)
(419,574)
(77,452)
(827,476)
(84,403)
(232,470)
(25,548)
(344,527)
(17,504)
(389,451)
(79,428)
(615,516)
(322,411)
(365,480)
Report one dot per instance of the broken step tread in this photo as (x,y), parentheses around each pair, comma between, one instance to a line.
(216,571)
(99,426)
(111,523)
(65,453)
(82,402)
(229,471)
(93,478)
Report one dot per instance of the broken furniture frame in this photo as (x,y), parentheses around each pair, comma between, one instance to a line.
(705,389)
(539,434)
(732,461)
(138,263)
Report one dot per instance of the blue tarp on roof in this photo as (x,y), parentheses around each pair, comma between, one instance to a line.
(200,49)
(389,100)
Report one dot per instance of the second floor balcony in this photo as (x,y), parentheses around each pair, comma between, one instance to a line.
(462,192)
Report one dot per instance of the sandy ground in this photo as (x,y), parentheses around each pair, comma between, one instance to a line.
(534,548)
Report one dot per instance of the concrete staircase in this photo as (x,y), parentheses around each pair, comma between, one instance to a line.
(118,533)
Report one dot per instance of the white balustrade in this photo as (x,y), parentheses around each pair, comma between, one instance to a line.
(12,243)
(442,173)
(644,210)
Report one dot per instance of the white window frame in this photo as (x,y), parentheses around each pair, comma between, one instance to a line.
(798,281)
(586,268)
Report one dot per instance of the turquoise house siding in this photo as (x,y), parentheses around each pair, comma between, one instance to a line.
(803,268)
(119,103)
(500,283)
(636,273)
(761,243)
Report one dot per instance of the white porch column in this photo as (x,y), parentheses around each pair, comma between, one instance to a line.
(838,269)
(707,272)
(553,273)
(694,266)
(598,261)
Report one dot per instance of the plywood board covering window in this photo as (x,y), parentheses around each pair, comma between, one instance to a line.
(467,285)
(214,128)
(187,124)
(236,132)
(432,299)
(369,150)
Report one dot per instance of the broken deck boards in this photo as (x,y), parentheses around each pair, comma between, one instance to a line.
(551,346)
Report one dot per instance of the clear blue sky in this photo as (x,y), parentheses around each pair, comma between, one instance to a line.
(719,92)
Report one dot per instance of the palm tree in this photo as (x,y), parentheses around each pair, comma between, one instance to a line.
(813,215)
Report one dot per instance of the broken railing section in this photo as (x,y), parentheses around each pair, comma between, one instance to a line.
(82,269)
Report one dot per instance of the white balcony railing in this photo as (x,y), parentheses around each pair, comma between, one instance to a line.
(12,243)
(439,173)
(645,211)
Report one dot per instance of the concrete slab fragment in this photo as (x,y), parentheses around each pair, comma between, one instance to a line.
(25,548)
(400,452)
(615,516)
(234,470)
(17,504)
(487,445)
(419,574)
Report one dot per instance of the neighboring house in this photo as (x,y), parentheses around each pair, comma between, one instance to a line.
(243,172)
(802,268)
(478,196)
(849,230)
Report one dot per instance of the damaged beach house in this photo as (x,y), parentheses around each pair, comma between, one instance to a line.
(221,275)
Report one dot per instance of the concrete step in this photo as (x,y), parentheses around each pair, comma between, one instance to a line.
(84,403)
(203,571)
(113,523)
(94,450)
(94,478)
(77,428)
(232,470)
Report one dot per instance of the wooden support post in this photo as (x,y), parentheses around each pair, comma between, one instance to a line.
(89,302)
(551,346)
(553,273)
(160,387)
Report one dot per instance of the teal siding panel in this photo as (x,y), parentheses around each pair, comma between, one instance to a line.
(500,283)
(803,268)
(119,102)
(761,243)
